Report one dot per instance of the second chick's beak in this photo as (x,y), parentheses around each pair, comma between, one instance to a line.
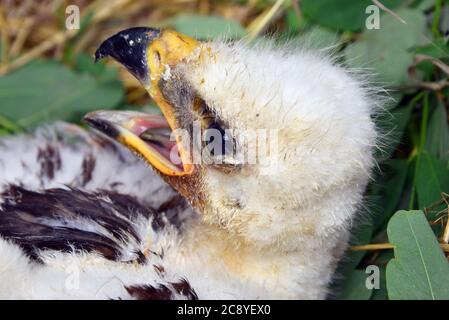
(147,53)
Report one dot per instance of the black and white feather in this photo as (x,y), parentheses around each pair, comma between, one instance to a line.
(69,204)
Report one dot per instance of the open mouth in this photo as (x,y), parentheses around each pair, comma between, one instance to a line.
(147,53)
(149,135)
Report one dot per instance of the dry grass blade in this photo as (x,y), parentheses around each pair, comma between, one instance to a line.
(297,8)
(374,246)
(387,246)
(261,22)
(436,62)
(445,236)
(4,37)
(37,51)
(105,10)
(436,85)
(23,34)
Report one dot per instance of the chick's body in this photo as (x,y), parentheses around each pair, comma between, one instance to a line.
(261,231)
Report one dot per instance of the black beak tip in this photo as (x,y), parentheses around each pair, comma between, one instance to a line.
(128,47)
(98,55)
(106,48)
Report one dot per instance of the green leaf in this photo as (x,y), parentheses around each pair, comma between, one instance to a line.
(432,178)
(437,49)
(319,38)
(103,74)
(392,189)
(438,133)
(3,132)
(293,22)
(395,124)
(381,293)
(361,233)
(342,14)
(387,50)
(85,63)
(207,27)
(426,4)
(47,91)
(419,269)
(354,287)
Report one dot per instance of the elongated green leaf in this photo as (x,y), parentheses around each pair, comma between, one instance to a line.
(318,38)
(354,287)
(432,178)
(392,188)
(438,134)
(395,124)
(293,22)
(381,293)
(341,14)
(350,286)
(360,234)
(387,50)
(8,125)
(426,4)
(419,269)
(46,91)
(205,27)
(436,49)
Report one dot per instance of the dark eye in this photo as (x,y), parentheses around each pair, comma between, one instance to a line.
(217,140)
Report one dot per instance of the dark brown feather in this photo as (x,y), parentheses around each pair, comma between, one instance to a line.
(49,220)
(162,292)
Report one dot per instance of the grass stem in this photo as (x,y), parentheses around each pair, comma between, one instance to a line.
(436,19)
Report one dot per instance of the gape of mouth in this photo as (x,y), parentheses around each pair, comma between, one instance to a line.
(156,133)
(168,150)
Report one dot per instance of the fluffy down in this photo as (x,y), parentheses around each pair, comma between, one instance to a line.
(262,234)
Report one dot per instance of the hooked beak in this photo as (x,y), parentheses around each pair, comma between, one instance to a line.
(129,47)
(147,53)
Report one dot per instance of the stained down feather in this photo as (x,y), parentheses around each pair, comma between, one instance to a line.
(79,202)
